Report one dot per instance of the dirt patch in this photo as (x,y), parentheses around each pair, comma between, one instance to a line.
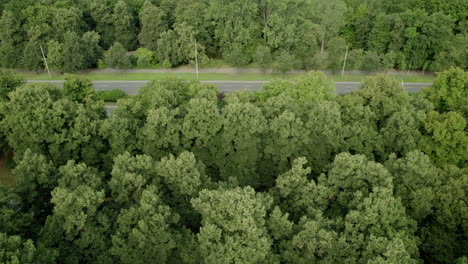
(6,177)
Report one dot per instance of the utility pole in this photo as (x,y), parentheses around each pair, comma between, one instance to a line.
(196,57)
(45,61)
(344,62)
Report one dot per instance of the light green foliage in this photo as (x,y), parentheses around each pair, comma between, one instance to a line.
(38,118)
(329,16)
(194,14)
(130,176)
(121,127)
(116,57)
(445,139)
(449,91)
(351,179)
(73,56)
(384,95)
(355,59)
(184,176)
(55,59)
(178,46)
(79,89)
(17,121)
(325,133)
(9,81)
(161,133)
(416,181)
(284,62)
(360,133)
(401,133)
(65,20)
(295,193)
(201,123)
(378,229)
(236,29)
(263,57)
(124,26)
(110,95)
(313,87)
(144,233)
(152,25)
(35,178)
(314,243)
(233,226)
(76,225)
(239,143)
(147,56)
(14,250)
(288,138)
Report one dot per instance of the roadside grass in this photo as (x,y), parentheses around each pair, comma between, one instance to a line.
(160,76)
(361,77)
(6,177)
(123,76)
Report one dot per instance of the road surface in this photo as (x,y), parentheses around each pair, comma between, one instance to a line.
(131,87)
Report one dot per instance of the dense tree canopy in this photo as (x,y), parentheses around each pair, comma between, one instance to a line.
(282,35)
(292,173)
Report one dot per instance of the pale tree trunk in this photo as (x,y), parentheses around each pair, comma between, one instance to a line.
(321,49)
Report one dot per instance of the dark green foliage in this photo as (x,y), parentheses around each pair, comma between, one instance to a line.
(290,174)
(371,62)
(152,26)
(11,40)
(9,81)
(32,58)
(124,26)
(110,95)
(306,34)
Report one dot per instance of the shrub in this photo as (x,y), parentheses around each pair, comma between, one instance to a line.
(110,95)
(142,61)
(148,55)
(371,62)
(263,57)
(284,62)
(9,81)
(116,57)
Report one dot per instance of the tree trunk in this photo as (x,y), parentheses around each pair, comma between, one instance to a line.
(321,49)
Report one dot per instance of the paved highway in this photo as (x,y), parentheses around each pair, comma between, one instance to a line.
(131,87)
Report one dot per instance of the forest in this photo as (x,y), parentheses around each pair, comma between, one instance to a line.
(271,34)
(292,173)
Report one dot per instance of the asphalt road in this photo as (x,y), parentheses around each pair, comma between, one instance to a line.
(131,87)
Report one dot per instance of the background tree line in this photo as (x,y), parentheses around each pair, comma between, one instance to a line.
(290,174)
(284,35)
